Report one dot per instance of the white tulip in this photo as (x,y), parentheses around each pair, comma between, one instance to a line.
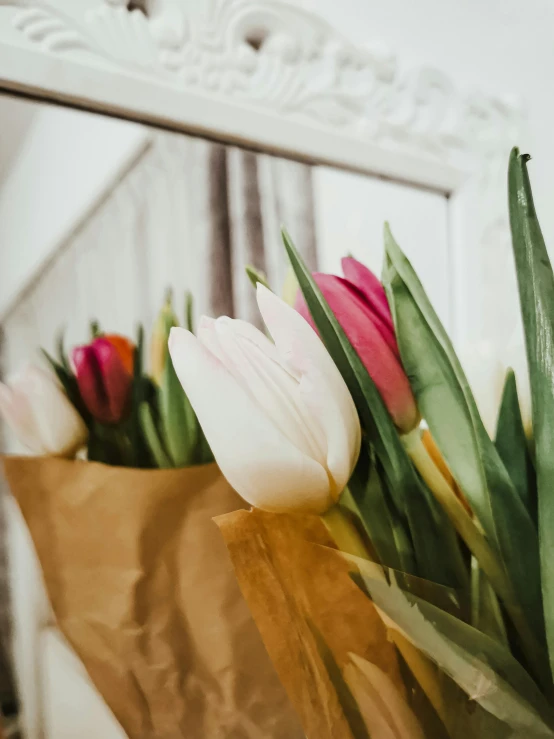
(40,414)
(279,418)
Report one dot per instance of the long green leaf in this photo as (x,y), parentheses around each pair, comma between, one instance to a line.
(137,398)
(255,276)
(481,666)
(446,402)
(344,694)
(486,614)
(62,356)
(384,528)
(536,293)
(412,499)
(511,443)
(189,311)
(69,384)
(152,438)
(180,428)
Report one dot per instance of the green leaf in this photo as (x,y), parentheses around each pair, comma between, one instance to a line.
(427,525)
(370,503)
(69,383)
(152,438)
(482,667)
(446,402)
(109,444)
(256,276)
(179,424)
(486,614)
(95,330)
(536,294)
(137,398)
(189,311)
(344,694)
(62,356)
(511,444)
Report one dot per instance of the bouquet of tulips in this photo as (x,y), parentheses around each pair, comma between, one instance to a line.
(103,402)
(139,580)
(402,579)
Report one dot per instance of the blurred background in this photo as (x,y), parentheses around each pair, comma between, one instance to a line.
(124,212)
(99,216)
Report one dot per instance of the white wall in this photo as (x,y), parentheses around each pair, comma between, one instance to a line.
(44,195)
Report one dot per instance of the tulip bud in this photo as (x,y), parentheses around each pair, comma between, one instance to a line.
(104,373)
(158,351)
(361,307)
(41,415)
(278,416)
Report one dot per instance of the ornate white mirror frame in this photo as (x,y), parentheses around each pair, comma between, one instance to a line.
(273,77)
(270,76)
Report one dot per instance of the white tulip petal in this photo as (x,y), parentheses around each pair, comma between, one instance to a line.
(257,459)
(40,413)
(208,336)
(322,386)
(253,361)
(57,421)
(340,425)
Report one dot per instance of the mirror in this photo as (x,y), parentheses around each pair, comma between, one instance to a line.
(98,218)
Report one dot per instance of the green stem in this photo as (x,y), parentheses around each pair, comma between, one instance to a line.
(344,533)
(348,540)
(476,542)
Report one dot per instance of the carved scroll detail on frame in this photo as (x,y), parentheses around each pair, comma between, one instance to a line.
(271,57)
(270,54)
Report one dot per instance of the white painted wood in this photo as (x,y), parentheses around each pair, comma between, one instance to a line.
(44,196)
(16,116)
(270,74)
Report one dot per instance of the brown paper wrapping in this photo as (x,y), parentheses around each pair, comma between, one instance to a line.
(293,581)
(142,587)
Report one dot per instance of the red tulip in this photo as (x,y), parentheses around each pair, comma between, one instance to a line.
(104,372)
(360,304)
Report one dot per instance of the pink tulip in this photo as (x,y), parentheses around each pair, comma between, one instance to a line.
(105,378)
(360,304)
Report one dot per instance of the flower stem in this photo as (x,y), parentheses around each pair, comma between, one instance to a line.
(477,543)
(344,533)
(349,541)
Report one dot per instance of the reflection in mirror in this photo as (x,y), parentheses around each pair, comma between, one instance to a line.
(98,218)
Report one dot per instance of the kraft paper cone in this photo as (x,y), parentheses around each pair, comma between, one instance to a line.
(295,590)
(142,587)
